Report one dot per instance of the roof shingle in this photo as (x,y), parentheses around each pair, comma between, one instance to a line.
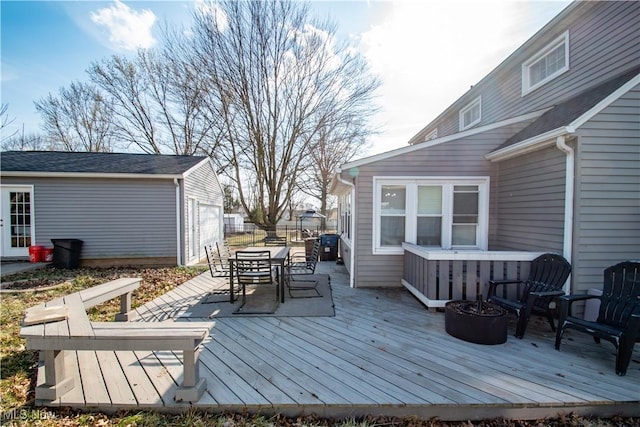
(98,163)
(566,112)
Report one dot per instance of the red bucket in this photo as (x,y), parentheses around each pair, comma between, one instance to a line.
(47,254)
(35,253)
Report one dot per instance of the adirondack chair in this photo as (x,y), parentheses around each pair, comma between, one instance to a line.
(619,315)
(303,266)
(547,276)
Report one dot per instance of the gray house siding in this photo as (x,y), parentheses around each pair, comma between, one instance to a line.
(599,50)
(464,157)
(123,218)
(202,185)
(607,214)
(530,202)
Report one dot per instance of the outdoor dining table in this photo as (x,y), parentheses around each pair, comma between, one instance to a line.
(278,255)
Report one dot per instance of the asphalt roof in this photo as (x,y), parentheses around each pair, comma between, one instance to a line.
(99,163)
(566,112)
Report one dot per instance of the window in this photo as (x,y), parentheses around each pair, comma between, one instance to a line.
(345,214)
(471,114)
(446,214)
(546,65)
(392,214)
(465,215)
(431,135)
(429,216)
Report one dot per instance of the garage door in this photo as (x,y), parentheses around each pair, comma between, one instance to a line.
(209,229)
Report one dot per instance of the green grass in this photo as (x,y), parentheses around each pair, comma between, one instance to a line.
(18,366)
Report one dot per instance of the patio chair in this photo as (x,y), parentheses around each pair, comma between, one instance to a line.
(547,276)
(218,265)
(619,314)
(224,251)
(254,268)
(303,266)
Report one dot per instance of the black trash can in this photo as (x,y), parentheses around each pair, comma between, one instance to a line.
(329,247)
(66,253)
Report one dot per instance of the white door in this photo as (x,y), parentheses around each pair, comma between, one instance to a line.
(209,225)
(16,223)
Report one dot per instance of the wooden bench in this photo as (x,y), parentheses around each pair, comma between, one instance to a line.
(65,326)
(275,241)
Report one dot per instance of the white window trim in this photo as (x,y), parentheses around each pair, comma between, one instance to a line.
(469,106)
(411,184)
(431,135)
(527,87)
(346,230)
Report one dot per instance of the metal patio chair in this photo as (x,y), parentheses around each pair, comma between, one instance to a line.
(218,265)
(300,266)
(254,268)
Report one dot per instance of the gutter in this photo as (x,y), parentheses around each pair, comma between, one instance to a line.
(528,145)
(178,223)
(569,192)
(352,254)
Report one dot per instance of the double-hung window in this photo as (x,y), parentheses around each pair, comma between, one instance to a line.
(438,213)
(546,65)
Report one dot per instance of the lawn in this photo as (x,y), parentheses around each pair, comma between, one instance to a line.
(18,365)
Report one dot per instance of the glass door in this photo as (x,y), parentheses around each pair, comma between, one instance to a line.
(16,223)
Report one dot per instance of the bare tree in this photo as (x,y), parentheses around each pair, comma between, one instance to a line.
(194,130)
(27,142)
(79,119)
(335,146)
(158,99)
(128,86)
(277,78)
(6,121)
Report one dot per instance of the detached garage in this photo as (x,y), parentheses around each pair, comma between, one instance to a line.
(126,208)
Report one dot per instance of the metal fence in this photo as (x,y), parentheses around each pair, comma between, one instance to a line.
(250,235)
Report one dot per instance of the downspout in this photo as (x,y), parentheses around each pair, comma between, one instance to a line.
(352,254)
(569,191)
(178,223)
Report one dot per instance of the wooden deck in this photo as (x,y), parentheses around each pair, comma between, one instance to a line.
(383,353)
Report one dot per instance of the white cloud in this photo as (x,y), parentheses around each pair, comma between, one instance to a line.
(128,28)
(208,8)
(429,53)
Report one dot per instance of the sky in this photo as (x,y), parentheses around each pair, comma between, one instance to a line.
(427,53)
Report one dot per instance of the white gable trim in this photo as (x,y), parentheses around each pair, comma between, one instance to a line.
(548,138)
(197,166)
(604,103)
(443,140)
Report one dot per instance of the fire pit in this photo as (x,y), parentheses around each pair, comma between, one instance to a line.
(477,321)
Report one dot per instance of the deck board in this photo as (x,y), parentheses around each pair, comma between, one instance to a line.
(95,390)
(120,392)
(382,353)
